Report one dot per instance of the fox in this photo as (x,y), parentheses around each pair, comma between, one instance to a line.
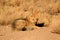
(29,23)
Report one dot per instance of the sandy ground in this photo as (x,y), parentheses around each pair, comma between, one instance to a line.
(6,33)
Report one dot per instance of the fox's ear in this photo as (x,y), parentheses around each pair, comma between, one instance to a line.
(18,24)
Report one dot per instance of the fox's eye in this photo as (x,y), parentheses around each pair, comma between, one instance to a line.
(40,24)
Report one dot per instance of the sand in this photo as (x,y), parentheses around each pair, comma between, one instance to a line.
(38,34)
